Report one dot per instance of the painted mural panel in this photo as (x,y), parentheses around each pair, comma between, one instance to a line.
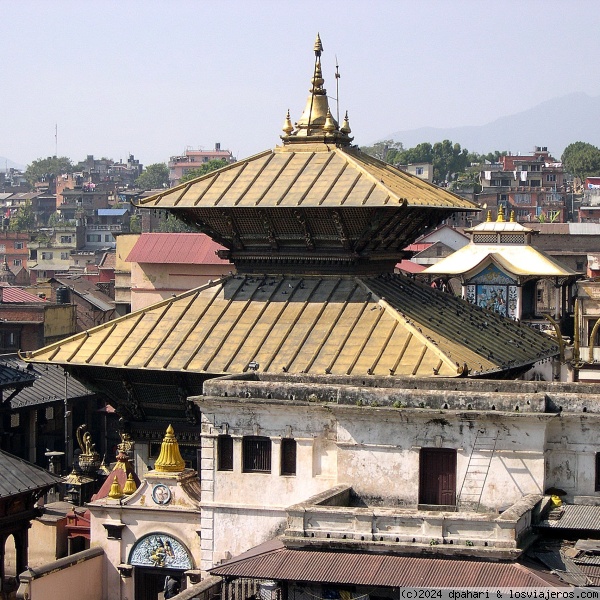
(160,550)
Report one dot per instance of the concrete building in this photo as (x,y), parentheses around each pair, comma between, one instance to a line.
(193,159)
(531,185)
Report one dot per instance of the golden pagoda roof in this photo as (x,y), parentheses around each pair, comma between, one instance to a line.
(309,175)
(344,325)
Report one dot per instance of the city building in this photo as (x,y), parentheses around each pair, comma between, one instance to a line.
(531,185)
(193,159)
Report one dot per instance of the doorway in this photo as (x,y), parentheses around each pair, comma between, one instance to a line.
(437,476)
(149,584)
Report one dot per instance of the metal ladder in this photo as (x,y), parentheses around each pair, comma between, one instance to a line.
(477,471)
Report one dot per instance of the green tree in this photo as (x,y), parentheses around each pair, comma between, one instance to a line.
(44,169)
(153,177)
(387,151)
(54,219)
(135,224)
(581,160)
(207,167)
(173,225)
(24,219)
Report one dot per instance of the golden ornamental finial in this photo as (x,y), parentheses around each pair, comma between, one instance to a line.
(287,125)
(130,485)
(115,490)
(318,48)
(329,124)
(489,217)
(346,125)
(169,460)
(512,216)
(500,218)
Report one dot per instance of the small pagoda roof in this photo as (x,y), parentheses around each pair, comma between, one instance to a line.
(504,243)
(20,476)
(344,325)
(519,260)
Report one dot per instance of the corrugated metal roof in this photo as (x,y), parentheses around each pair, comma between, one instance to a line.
(12,377)
(48,385)
(112,212)
(20,476)
(285,564)
(176,248)
(388,325)
(307,175)
(575,516)
(15,295)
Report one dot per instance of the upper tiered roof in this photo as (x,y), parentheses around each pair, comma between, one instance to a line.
(313,200)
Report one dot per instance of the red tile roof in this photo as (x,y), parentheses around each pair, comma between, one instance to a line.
(273,561)
(408,266)
(15,295)
(176,248)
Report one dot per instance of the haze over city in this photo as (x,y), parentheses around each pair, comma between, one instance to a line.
(152,78)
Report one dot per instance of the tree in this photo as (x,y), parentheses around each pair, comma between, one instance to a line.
(207,167)
(581,160)
(45,169)
(135,224)
(24,219)
(153,176)
(387,151)
(173,225)
(54,219)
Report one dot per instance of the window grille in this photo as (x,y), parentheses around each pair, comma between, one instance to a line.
(256,453)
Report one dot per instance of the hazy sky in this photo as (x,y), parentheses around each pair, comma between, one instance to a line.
(152,77)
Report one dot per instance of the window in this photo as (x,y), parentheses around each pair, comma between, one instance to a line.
(65,239)
(579,265)
(64,256)
(47,255)
(540,296)
(418,170)
(18,245)
(506,182)
(2,247)
(535,168)
(535,183)
(94,237)
(17,262)
(256,454)
(288,456)
(225,453)
(551,177)
(108,237)
(10,339)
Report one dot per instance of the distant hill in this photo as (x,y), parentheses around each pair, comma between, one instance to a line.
(5,162)
(555,123)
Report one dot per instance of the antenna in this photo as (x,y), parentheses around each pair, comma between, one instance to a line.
(337,88)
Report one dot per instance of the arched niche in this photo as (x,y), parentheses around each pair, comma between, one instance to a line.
(161,551)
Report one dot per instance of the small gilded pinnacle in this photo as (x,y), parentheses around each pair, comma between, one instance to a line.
(318,46)
(287,125)
(346,125)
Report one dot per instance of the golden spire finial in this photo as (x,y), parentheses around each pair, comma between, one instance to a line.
(512,216)
(489,217)
(318,48)
(115,490)
(287,125)
(346,125)
(500,218)
(129,486)
(329,124)
(169,460)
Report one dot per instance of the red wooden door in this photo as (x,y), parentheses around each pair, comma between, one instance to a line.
(437,476)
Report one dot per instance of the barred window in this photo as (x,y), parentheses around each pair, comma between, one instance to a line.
(288,456)
(256,454)
(225,453)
